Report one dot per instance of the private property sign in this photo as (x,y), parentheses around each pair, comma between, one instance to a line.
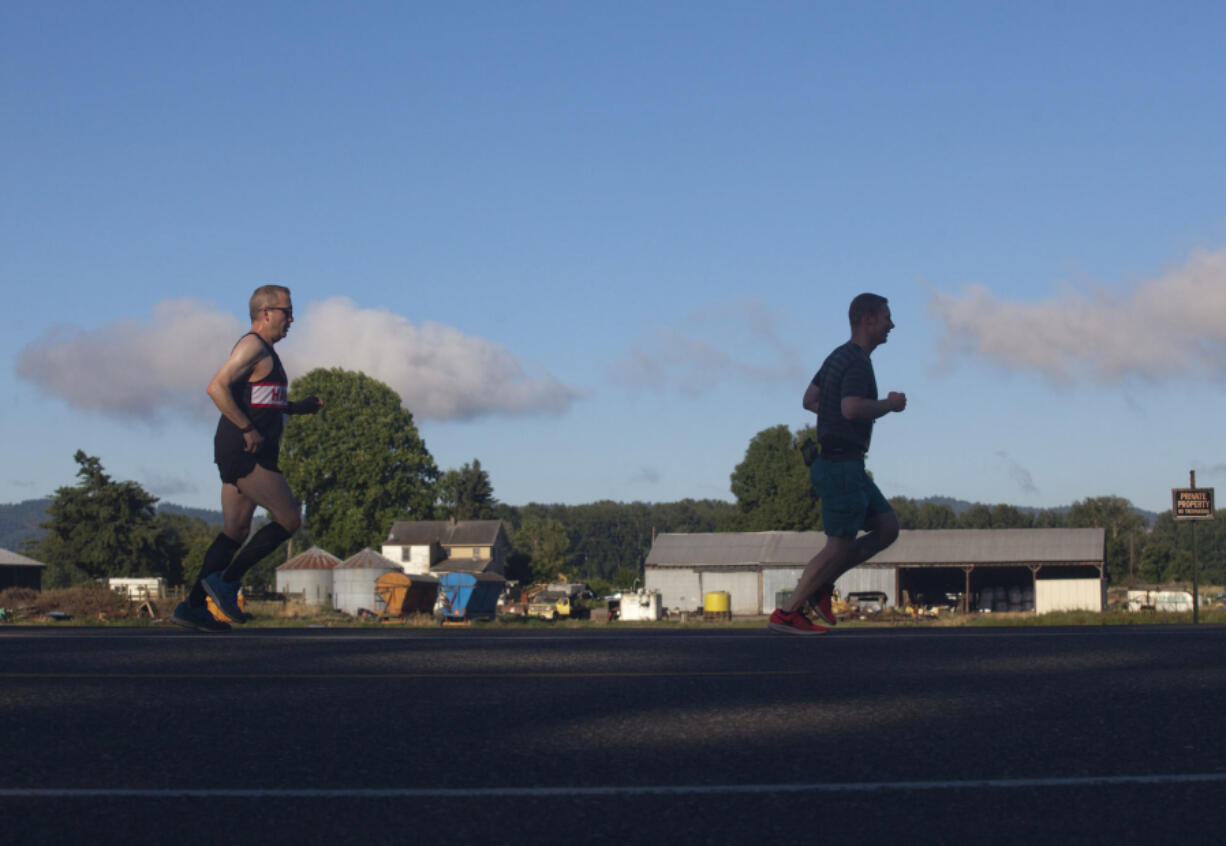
(1192,503)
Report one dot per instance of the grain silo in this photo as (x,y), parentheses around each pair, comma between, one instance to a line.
(353,580)
(308,577)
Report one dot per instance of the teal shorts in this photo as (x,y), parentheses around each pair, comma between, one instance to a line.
(849,496)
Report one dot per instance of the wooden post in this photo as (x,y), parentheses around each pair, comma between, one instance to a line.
(1195,564)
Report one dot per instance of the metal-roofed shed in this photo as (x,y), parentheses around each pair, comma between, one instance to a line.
(759,568)
(16,570)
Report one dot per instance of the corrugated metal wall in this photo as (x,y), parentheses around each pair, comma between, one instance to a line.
(1069,595)
(679,588)
(682,588)
(354,587)
(775,581)
(314,585)
(741,584)
(861,579)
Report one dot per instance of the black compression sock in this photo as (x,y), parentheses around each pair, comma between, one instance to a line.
(265,541)
(217,558)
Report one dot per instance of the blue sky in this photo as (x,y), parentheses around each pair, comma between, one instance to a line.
(599,246)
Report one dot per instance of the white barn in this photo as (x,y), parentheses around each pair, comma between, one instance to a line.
(1057,568)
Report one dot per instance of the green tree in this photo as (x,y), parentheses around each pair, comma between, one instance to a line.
(772,486)
(906,511)
(1010,517)
(101,528)
(192,538)
(935,515)
(543,540)
(359,464)
(467,494)
(976,517)
(1120,519)
(1050,519)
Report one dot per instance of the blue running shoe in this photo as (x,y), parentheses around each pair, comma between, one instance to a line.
(225,594)
(200,619)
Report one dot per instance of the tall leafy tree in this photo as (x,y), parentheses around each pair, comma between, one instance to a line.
(545,545)
(978,516)
(771,485)
(1120,519)
(101,528)
(1010,517)
(1050,518)
(359,464)
(467,493)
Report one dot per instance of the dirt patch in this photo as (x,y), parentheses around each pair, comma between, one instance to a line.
(79,603)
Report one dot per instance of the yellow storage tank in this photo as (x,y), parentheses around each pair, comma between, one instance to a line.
(717,605)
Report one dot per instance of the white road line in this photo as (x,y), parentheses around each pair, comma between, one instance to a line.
(601,791)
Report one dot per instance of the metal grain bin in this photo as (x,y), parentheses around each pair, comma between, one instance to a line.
(309,576)
(353,580)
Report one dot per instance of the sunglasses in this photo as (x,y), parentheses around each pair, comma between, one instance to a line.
(289,312)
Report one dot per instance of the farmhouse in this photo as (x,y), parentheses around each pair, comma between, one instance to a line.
(472,546)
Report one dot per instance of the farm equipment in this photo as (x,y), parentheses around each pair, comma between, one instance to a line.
(402,594)
(549,605)
(469,596)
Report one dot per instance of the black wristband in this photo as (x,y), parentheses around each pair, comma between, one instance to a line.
(250,427)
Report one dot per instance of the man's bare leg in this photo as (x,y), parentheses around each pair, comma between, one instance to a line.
(269,490)
(236,513)
(841,554)
(832,556)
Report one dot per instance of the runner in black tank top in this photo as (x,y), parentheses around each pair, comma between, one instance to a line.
(251,392)
(265,403)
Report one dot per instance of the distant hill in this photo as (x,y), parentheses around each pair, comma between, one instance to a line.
(19,522)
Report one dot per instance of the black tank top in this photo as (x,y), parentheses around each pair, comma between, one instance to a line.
(264,402)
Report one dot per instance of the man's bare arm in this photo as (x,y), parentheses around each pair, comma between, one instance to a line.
(243,359)
(810,398)
(859,408)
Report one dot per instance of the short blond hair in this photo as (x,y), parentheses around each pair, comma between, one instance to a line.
(265,296)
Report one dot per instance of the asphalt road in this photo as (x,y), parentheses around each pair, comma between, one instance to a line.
(1104,735)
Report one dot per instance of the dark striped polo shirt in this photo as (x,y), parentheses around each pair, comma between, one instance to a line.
(846,372)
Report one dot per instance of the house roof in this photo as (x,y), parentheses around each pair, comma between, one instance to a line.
(461,565)
(8,558)
(460,533)
(314,558)
(367,559)
(995,546)
(937,546)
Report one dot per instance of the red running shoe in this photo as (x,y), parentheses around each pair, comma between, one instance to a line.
(795,623)
(822,607)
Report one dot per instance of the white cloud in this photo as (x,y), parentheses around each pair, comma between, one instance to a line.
(439,372)
(742,344)
(135,371)
(151,371)
(1168,327)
